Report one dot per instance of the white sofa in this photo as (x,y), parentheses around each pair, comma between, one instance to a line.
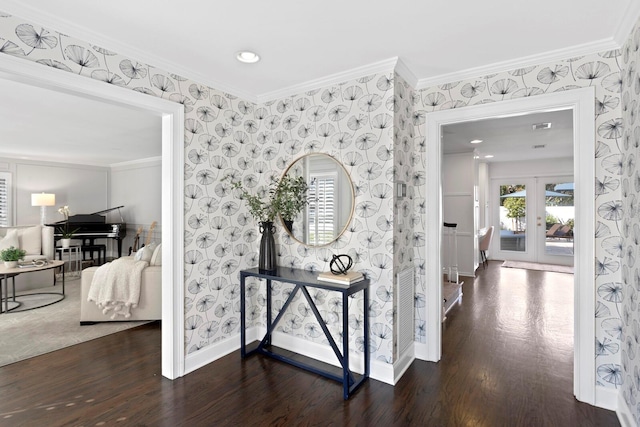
(149,305)
(39,243)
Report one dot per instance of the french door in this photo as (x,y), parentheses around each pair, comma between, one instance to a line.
(534,219)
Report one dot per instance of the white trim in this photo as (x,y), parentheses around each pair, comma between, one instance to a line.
(82,33)
(332,79)
(421,352)
(213,352)
(403,71)
(627,22)
(24,71)
(380,371)
(582,103)
(403,362)
(150,161)
(500,67)
(625,415)
(607,398)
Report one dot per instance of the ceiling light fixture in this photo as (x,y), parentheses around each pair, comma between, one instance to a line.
(539,126)
(489,156)
(475,141)
(247,56)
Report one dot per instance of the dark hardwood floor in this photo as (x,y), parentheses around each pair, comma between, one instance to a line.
(507,361)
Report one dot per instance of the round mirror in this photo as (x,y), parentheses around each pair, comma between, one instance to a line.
(330,200)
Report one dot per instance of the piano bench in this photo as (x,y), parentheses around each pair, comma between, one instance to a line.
(100,249)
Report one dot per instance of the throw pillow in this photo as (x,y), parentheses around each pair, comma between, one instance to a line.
(10,239)
(145,253)
(31,240)
(156,258)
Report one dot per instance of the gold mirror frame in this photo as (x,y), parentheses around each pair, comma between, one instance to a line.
(348,183)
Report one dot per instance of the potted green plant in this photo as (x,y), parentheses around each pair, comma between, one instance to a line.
(11,256)
(286,198)
(290,198)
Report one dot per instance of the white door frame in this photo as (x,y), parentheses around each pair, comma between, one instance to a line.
(28,72)
(581,101)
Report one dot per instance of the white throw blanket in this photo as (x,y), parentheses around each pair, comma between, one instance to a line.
(115,286)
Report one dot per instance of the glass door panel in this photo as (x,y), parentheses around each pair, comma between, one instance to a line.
(559,218)
(513,217)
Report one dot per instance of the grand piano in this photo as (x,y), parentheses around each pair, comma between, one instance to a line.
(94,226)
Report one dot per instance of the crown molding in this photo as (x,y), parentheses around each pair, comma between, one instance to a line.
(499,67)
(628,21)
(341,77)
(403,71)
(617,41)
(138,163)
(66,27)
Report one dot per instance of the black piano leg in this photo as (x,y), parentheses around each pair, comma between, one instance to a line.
(119,248)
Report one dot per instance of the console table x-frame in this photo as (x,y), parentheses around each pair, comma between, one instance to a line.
(303,279)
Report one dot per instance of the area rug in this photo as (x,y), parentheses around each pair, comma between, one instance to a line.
(34,332)
(536,266)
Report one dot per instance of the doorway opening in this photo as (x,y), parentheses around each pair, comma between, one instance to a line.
(580,103)
(24,71)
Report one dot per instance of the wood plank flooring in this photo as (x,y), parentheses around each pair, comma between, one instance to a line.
(507,361)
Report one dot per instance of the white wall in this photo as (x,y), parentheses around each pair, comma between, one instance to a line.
(459,176)
(136,186)
(82,188)
(87,189)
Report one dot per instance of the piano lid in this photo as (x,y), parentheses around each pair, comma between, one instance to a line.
(94,217)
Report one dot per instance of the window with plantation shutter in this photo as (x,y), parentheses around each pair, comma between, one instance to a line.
(321,213)
(5,186)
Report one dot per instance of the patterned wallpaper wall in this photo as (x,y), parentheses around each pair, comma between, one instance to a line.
(406,124)
(374,125)
(603,71)
(352,121)
(627,292)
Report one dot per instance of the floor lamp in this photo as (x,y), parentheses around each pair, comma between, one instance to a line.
(43,200)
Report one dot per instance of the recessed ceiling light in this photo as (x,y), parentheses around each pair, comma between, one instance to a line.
(489,156)
(247,56)
(475,141)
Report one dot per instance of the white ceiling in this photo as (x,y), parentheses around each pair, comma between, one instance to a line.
(303,45)
(513,138)
(71,129)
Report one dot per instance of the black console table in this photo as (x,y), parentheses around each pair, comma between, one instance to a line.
(302,279)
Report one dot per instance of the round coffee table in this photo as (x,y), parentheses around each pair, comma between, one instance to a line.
(11,273)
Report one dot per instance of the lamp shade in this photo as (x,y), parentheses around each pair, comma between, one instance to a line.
(43,199)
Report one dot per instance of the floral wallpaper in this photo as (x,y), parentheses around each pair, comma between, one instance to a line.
(375,126)
(353,122)
(627,292)
(229,137)
(406,124)
(614,173)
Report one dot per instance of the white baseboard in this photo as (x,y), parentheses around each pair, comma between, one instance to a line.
(404,361)
(624,413)
(421,352)
(606,398)
(380,371)
(210,354)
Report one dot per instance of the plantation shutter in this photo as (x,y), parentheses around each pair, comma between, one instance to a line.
(321,211)
(5,185)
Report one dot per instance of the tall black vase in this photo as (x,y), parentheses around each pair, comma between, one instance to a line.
(267,257)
